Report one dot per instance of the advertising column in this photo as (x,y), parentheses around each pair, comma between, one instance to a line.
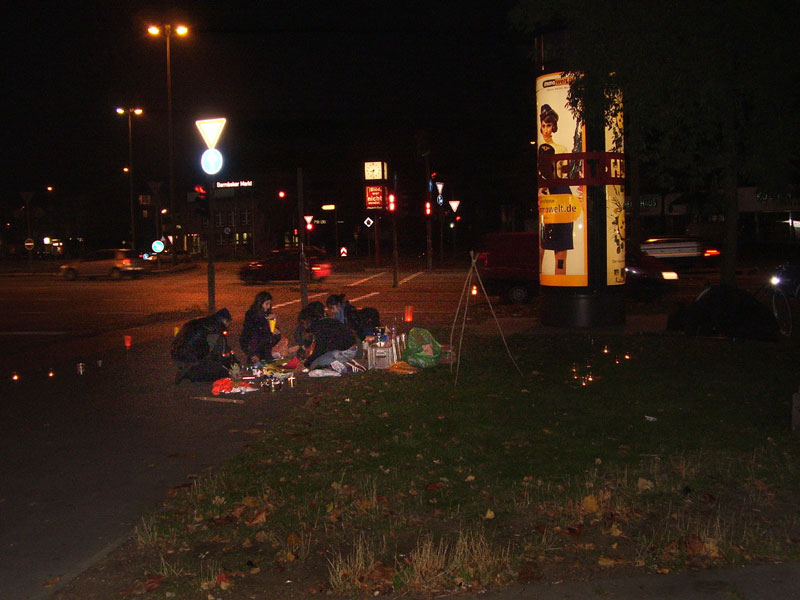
(581,194)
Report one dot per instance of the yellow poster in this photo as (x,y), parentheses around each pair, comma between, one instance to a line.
(563,259)
(615,203)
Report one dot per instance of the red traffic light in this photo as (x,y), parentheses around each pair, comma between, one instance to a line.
(392,204)
(200,190)
(281,194)
(309,226)
(428,208)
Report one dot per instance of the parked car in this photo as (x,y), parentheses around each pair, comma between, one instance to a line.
(284,264)
(508,264)
(114,263)
(684,251)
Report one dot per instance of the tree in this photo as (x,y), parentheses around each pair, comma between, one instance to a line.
(707,87)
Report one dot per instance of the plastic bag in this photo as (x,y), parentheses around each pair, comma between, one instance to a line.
(422,350)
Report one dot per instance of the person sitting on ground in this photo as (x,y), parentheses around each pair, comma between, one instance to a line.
(333,345)
(258,339)
(200,349)
(362,321)
(302,339)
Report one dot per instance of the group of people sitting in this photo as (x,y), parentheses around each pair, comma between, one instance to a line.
(326,339)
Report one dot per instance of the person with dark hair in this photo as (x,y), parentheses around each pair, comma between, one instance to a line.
(303,339)
(363,322)
(333,345)
(260,332)
(200,348)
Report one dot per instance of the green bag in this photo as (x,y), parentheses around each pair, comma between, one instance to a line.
(422,350)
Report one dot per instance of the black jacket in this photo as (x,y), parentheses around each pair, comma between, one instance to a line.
(256,338)
(329,334)
(201,338)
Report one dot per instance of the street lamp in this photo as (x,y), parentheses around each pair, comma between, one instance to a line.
(181,30)
(130,112)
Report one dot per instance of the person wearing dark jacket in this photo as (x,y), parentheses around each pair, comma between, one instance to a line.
(258,336)
(200,349)
(334,346)
(363,322)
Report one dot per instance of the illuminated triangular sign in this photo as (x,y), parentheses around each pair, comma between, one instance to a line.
(211,129)
(454,204)
(439,186)
(308,218)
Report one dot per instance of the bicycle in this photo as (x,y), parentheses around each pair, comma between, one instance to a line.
(785,291)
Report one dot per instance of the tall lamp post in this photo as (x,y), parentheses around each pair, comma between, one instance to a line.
(181,30)
(130,112)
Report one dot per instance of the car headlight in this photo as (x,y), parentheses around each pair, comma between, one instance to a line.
(775,280)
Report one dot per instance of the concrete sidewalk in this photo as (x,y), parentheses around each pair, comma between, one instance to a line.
(761,582)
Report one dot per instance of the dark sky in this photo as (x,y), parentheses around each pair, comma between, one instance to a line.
(365,75)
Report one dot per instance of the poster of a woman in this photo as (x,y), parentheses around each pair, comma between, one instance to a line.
(562,214)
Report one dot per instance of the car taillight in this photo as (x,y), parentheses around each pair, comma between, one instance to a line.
(710,252)
(320,267)
(126,261)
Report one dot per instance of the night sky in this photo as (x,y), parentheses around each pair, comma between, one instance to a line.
(300,82)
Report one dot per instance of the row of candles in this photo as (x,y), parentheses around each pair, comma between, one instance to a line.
(80,368)
(587,377)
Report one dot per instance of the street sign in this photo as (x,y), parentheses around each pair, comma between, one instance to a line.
(211,129)
(368,222)
(28,244)
(343,251)
(157,246)
(440,200)
(454,204)
(374,197)
(439,186)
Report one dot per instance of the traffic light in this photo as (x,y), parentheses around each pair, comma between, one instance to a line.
(201,207)
(392,204)
(427,209)
(309,226)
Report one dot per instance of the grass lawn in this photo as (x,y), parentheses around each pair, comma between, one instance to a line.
(676,453)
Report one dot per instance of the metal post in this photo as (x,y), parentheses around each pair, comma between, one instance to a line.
(130,179)
(171,142)
(302,232)
(212,245)
(395,258)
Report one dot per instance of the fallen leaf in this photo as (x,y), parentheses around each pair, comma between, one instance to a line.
(615,531)
(259,518)
(470,478)
(607,562)
(433,486)
(489,514)
(52,582)
(251,501)
(644,484)
(590,505)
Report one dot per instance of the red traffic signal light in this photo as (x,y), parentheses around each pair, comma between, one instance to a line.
(281,194)
(309,226)
(392,204)
(200,190)
(428,209)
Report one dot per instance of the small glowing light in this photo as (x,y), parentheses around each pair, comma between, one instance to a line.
(775,280)
(605,349)
(120,110)
(282,194)
(126,170)
(49,188)
(137,111)
(181,30)
(474,290)
(671,275)
(15,376)
(153,30)
(128,340)
(51,373)
(627,356)
(616,360)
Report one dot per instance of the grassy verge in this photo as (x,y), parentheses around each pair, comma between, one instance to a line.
(610,455)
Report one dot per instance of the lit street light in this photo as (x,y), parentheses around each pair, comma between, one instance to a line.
(167,30)
(130,112)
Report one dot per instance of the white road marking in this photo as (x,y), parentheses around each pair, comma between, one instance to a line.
(409,278)
(360,281)
(364,296)
(282,304)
